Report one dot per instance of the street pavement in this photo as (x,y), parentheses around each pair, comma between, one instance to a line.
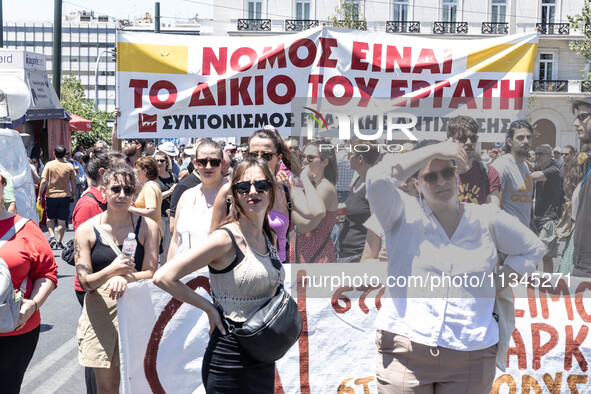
(54,367)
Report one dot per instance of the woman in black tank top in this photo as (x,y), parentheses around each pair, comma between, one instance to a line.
(104,272)
(226,366)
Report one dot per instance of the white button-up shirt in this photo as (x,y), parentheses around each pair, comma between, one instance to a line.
(430,310)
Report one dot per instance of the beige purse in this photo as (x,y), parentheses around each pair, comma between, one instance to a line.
(566,224)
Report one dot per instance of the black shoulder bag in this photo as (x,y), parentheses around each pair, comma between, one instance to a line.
(68,252)
(273,329)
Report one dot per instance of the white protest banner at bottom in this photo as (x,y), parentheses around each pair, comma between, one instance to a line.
(162,341)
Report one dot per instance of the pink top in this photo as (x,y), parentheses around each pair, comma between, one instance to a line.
(279,222)
(315,246)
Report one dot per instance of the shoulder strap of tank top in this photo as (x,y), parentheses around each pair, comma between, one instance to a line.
(137,226)
(236,248)
(105,237)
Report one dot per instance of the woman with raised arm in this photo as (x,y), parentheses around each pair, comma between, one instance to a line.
(103,272)
(244,274)
(441,339)
(315,206)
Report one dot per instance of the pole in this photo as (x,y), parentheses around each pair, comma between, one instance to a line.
(156,17)
(57,46)
(1,27)
(96,66)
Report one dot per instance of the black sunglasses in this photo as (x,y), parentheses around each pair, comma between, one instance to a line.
(161,160)
(308,158)
(261,186)
(463,138)
(267,156)
(583,116)
(447,174)
(127,190)
(213,162)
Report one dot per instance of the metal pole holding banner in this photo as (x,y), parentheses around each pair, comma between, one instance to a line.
(96,69)
(1,27)
(157,17)
(57,46)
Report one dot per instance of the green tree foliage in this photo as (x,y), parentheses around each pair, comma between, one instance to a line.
(349,15)
(582,46)
(73,101)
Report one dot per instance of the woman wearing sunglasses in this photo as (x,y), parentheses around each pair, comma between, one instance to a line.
(315,206)
(268,145)
(149,200)
(441,338)
(196,203)
(244,275)
(103,272)
(167,180)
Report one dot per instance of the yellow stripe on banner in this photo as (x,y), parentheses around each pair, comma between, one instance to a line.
(520,58)
(152,58)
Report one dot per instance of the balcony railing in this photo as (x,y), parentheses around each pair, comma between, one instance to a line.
(450,27)
(495,28)
(403,27)
(549,86)
(355,25)
(553,28)
(300,24)
(254,24)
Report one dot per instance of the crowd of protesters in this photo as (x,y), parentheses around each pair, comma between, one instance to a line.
(316,201)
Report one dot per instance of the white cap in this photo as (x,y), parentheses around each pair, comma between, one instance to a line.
(131,235)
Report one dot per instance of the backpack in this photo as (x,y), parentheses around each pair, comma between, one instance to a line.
(10,300)
(68,251)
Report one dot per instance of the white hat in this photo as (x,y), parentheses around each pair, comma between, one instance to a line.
(168,148)
(192,151)
(230,146)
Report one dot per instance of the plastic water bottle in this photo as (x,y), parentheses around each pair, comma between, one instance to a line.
(129,245)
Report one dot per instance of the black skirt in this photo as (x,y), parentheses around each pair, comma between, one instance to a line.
(228,369)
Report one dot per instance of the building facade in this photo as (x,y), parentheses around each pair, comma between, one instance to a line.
(558,70)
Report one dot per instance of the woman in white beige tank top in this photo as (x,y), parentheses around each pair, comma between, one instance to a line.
(196,204)
(244,274)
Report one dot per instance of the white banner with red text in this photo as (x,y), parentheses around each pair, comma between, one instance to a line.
(162,341)
(322,81)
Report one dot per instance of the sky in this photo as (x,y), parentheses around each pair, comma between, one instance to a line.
(42,10)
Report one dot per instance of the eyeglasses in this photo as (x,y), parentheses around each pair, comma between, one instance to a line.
(213,162)
(431,177)
(583,116)
(462,138)
(261,186)
(267,156)
(161,160)
(308,158)
(351,154)
(127,190)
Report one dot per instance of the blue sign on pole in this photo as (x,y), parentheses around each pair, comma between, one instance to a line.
(499,144)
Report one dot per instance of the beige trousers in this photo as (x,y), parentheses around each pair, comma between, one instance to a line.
(408,367)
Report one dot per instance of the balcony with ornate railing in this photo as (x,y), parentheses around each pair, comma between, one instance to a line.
(540,85)
(495,28)
(553,28)
(254,24)
(352,24)
(450,27)
(403,27)
(300,24)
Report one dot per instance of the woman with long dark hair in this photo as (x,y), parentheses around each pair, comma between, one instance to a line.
(244,274)
(315,206)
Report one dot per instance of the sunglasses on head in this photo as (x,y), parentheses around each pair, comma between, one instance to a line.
(267,156)
(583,116)
(127,190)
(462,138)
(447,173)
(213,162)
(261,186)
(308,158)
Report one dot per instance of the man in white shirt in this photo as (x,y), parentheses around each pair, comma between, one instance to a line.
(517,186)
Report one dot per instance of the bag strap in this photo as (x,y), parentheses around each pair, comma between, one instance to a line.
(8,236)
(101,205)
(104,236)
